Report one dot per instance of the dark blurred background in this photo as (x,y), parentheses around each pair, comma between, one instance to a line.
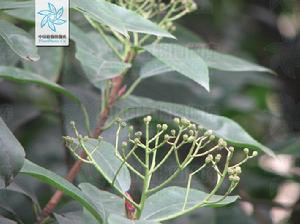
(267,106)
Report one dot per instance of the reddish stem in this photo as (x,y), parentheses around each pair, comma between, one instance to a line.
(115,93)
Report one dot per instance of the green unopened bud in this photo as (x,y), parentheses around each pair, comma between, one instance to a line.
(193,127)
(190,139)
(124,144)
(236,179)
(231,149)
(176,120)
(231,171)
(136,140)
(185,137)
(158,126)
(222,143)
(208,133)
(173,132)
(231,178)
(238,170)
(164,127)
(123,124)
(246,151)
(218,158)
(191,132)
(185,122)
(147,119)
(72,123)
(130,129)
(209,158)
(212,137)
(138,134)
(166,137)
(255,153)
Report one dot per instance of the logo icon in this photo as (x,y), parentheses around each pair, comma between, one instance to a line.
(52,17)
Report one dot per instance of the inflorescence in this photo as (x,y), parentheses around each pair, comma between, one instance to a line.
(186,136)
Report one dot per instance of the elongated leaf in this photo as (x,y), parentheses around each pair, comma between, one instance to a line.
(23,76)
(70,218)
(168,203)
(104,159)
(213,59)
(60,183)
(225,62)
(7,221)
(221,126)
(118,18)
(19,41)
(16,4)
(96,58)
(26,14)
(11,155)
(116,219)
(7,56)
(103,200)
(182,60)
(49,65)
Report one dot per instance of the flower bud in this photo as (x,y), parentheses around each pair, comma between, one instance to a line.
(185,122)
(72,123)
(136,140)
(164,127)
(246,151)
(193,127)
(173,132)
(222,143)
(218,158)
(138,134)
(185,137)
(118,120)
(236,179)
(124,144)
(238,170)
(130,129)
(208,159)
(255,153)
(190,139)
(231,178)
(191,132)
(176,120)
(208,133)
(231,149)
(123,124)
(166,137)
(147,119)
(231,171)
(212,137)
(158,126)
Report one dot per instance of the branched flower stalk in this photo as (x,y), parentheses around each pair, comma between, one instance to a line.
(199,143)
(164,14)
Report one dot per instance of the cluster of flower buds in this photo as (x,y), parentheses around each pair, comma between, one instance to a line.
(161,11)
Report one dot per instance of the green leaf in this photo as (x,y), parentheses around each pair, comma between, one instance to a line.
(11,155)
(182,60)
(106,162)
(168,203)
(70,218)
(49,65)
(19,41)
(16,4)
(105,201)
(118,18)
(7,221)
(213,59)
(225,62)
(23,76)
(116,219)
(26,14)
(62,184)
(221,126)
(96,58)
(7,56)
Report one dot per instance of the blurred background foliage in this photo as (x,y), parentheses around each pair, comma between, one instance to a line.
(268,107)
